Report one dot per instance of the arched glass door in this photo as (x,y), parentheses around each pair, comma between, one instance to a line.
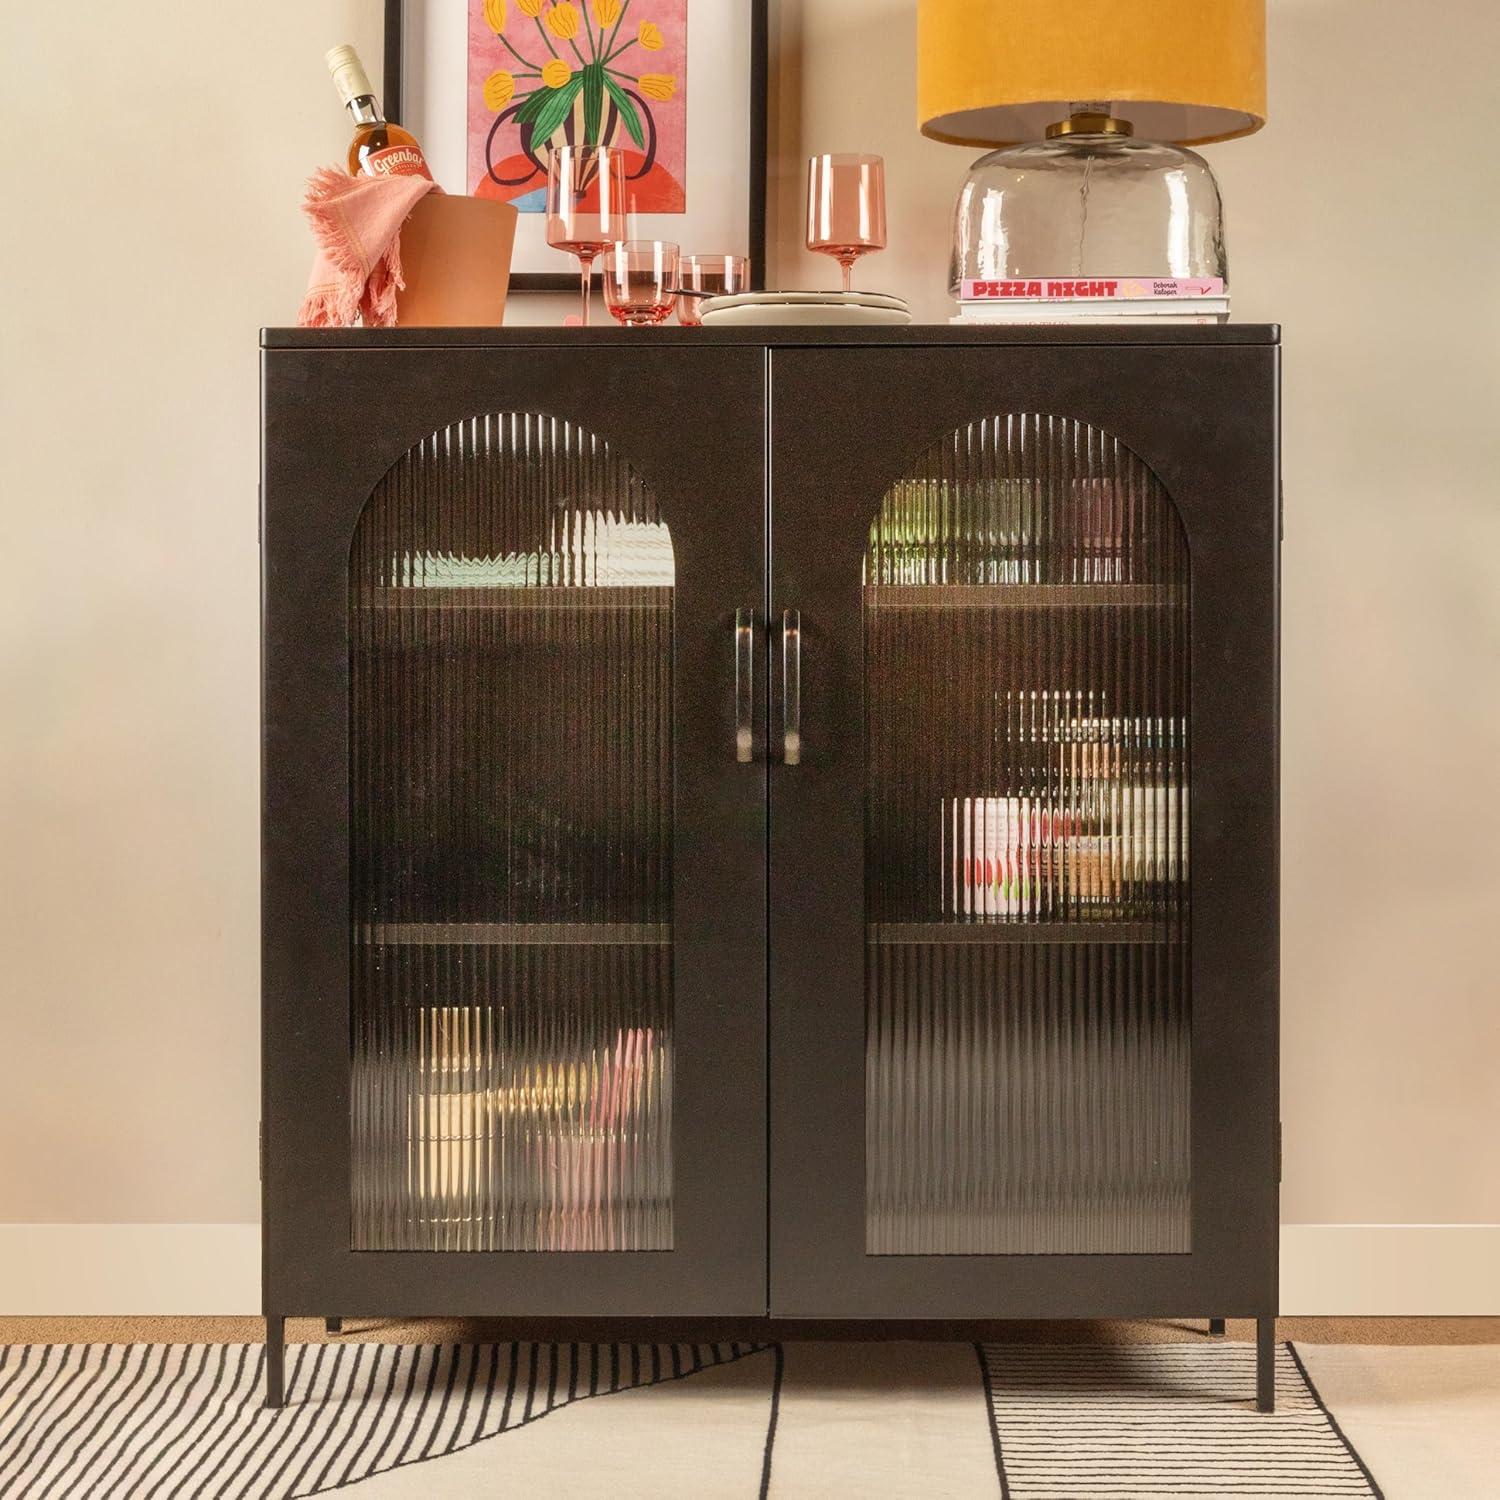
(1025,619)
(511,790)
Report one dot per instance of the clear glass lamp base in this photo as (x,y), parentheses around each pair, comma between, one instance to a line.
(1088,204)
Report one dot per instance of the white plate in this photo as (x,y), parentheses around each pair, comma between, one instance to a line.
(801,315)
(795,299)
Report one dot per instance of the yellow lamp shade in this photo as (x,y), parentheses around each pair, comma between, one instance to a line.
(995,72)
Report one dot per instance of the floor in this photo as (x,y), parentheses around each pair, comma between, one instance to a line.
(1405,1409)
(477,1330)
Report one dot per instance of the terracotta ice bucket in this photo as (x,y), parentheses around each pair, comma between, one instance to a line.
(455,254)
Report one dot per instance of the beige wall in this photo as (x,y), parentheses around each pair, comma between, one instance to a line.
(149,234)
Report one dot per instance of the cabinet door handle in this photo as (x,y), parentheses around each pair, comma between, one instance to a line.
(744,685)
(791,687)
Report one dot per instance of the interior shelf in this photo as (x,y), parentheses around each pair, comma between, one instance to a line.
(1000,930)
(1023,595)
(516,934)
(651,597)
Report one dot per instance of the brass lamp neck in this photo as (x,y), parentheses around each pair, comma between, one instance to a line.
(1090,122)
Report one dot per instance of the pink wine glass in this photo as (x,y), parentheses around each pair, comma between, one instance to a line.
(640,281)
(585,205)
(708,276)
(846,207)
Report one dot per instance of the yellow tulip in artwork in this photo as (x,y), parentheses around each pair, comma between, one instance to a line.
(499,90)
(584,75)
(562,20)
(657,85)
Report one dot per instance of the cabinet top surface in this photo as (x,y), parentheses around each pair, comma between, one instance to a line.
(916,335)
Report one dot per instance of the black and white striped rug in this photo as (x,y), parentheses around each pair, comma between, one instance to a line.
(186,1419)
(1151,1419)
(874,1420)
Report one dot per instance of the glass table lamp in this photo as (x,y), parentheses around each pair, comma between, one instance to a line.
(1091,109)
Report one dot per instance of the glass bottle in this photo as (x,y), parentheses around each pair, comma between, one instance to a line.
(379,149)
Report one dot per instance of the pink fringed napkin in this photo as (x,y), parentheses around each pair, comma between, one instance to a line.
(357,224)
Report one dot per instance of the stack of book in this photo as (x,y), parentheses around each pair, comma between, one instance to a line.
(1104,832)
(1060,299)
(587,548)
(1020,857)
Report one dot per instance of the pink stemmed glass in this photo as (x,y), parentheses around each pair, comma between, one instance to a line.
(640,281)
(708,276)
(586,210)
(846,207)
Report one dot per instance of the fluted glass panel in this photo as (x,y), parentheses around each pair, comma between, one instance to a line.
(1027,979)
(511,862)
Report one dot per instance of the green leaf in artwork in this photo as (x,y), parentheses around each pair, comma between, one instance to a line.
(626,106)
(554,110)
(531,106)
(593,102)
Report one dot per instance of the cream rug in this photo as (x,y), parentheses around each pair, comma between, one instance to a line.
(1425,1419)
(796,1421)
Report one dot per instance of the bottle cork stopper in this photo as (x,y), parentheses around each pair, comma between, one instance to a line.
(349,76)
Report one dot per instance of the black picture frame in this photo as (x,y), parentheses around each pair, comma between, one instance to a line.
(565,281)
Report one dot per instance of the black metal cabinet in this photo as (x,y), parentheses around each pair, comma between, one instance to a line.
(817,782)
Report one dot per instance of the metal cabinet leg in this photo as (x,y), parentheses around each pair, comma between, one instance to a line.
(1265,1364)
(275,1361)
(334,1325)
(1216,1325)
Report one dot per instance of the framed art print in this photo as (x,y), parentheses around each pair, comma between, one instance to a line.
(489,86)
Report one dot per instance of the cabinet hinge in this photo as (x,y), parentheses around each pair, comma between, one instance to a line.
(261,1164)
(1278,1151)
(1281,509)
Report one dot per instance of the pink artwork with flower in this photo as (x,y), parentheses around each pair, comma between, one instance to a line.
(581,72)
